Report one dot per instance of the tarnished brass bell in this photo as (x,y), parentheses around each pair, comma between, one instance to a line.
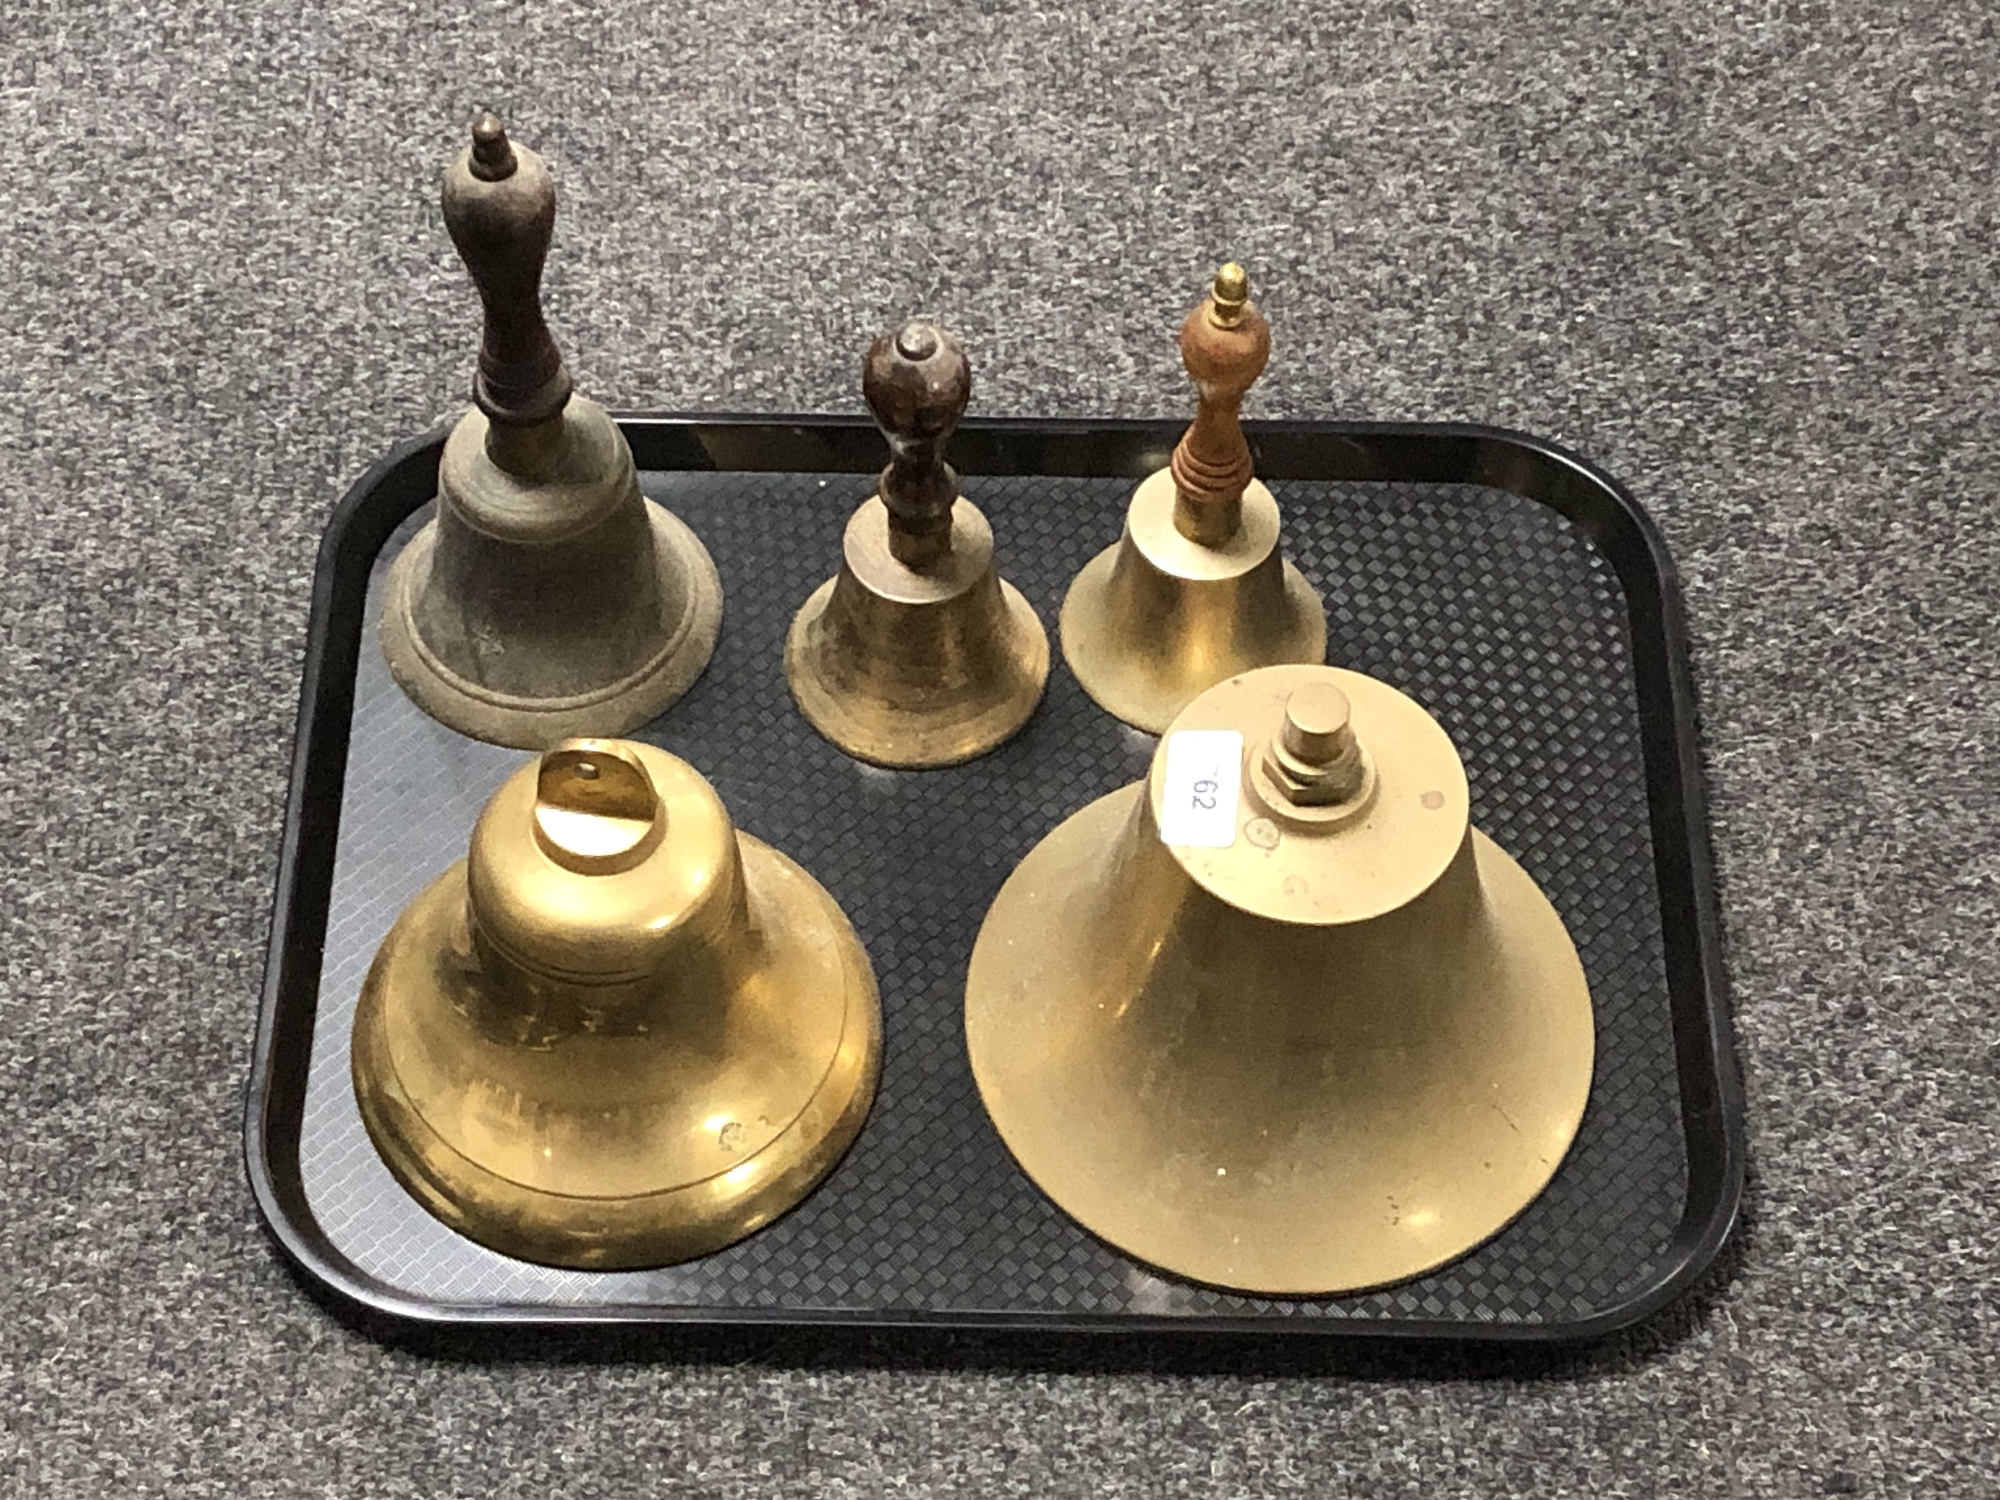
(1278,1018)
(1198,589)
(917,653)
(621,1033)
(548,598)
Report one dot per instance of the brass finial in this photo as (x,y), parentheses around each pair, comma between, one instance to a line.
(1230,294)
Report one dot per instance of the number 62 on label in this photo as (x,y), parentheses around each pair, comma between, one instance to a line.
(1202,785)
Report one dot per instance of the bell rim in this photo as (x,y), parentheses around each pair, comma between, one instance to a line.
(613,709)
(897,739)
(1105,660)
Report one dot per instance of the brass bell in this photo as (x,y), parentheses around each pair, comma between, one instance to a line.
(1197,589)
(620,1033)
(548,598)
(1278,1018)
(917,653)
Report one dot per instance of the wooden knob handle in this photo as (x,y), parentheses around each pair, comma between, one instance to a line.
(917,382)
(1225,344)
(500,206)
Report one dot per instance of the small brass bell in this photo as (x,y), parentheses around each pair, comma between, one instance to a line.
(1197,590)
(548,598)
(1278,1018)
(917,653)
(621,1033)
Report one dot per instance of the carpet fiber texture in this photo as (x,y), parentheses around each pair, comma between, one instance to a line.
(1740,253)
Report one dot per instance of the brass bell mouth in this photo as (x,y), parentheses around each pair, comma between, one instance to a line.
(620,1033)
(1271,1042)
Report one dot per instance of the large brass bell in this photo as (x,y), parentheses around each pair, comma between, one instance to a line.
(917,653)
(1278,1018)
(621,1033)
(1198,588)
(548,598)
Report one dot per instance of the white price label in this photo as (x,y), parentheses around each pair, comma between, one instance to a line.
(1204,779)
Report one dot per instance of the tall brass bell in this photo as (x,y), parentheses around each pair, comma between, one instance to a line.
(1198,588)
(620,1033)
(1278,1018)
(548,598)
(917,653)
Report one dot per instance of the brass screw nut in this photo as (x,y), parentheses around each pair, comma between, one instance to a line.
(1316,759)
(1314,769)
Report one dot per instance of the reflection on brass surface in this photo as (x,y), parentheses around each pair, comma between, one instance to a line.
(548,598)
(1197,590)
(1340,1051)
(917,653)
(620,1033)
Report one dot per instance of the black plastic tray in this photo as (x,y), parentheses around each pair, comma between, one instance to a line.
(1518,593)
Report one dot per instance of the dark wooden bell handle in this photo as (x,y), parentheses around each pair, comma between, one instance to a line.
(500,207)
(917,382)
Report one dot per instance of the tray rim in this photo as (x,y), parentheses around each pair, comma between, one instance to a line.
(1711,1086)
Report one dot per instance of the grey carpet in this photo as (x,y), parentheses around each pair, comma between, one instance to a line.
(1740,253)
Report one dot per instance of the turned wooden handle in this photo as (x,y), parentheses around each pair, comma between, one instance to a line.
(1225,344)
(917,382)
(500,206)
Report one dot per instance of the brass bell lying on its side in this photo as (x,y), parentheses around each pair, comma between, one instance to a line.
(621,1033)
(1197,589)
(548,598)
(917,653)
(1278,1018)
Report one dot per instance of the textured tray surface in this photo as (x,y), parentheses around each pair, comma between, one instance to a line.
(1490,609)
